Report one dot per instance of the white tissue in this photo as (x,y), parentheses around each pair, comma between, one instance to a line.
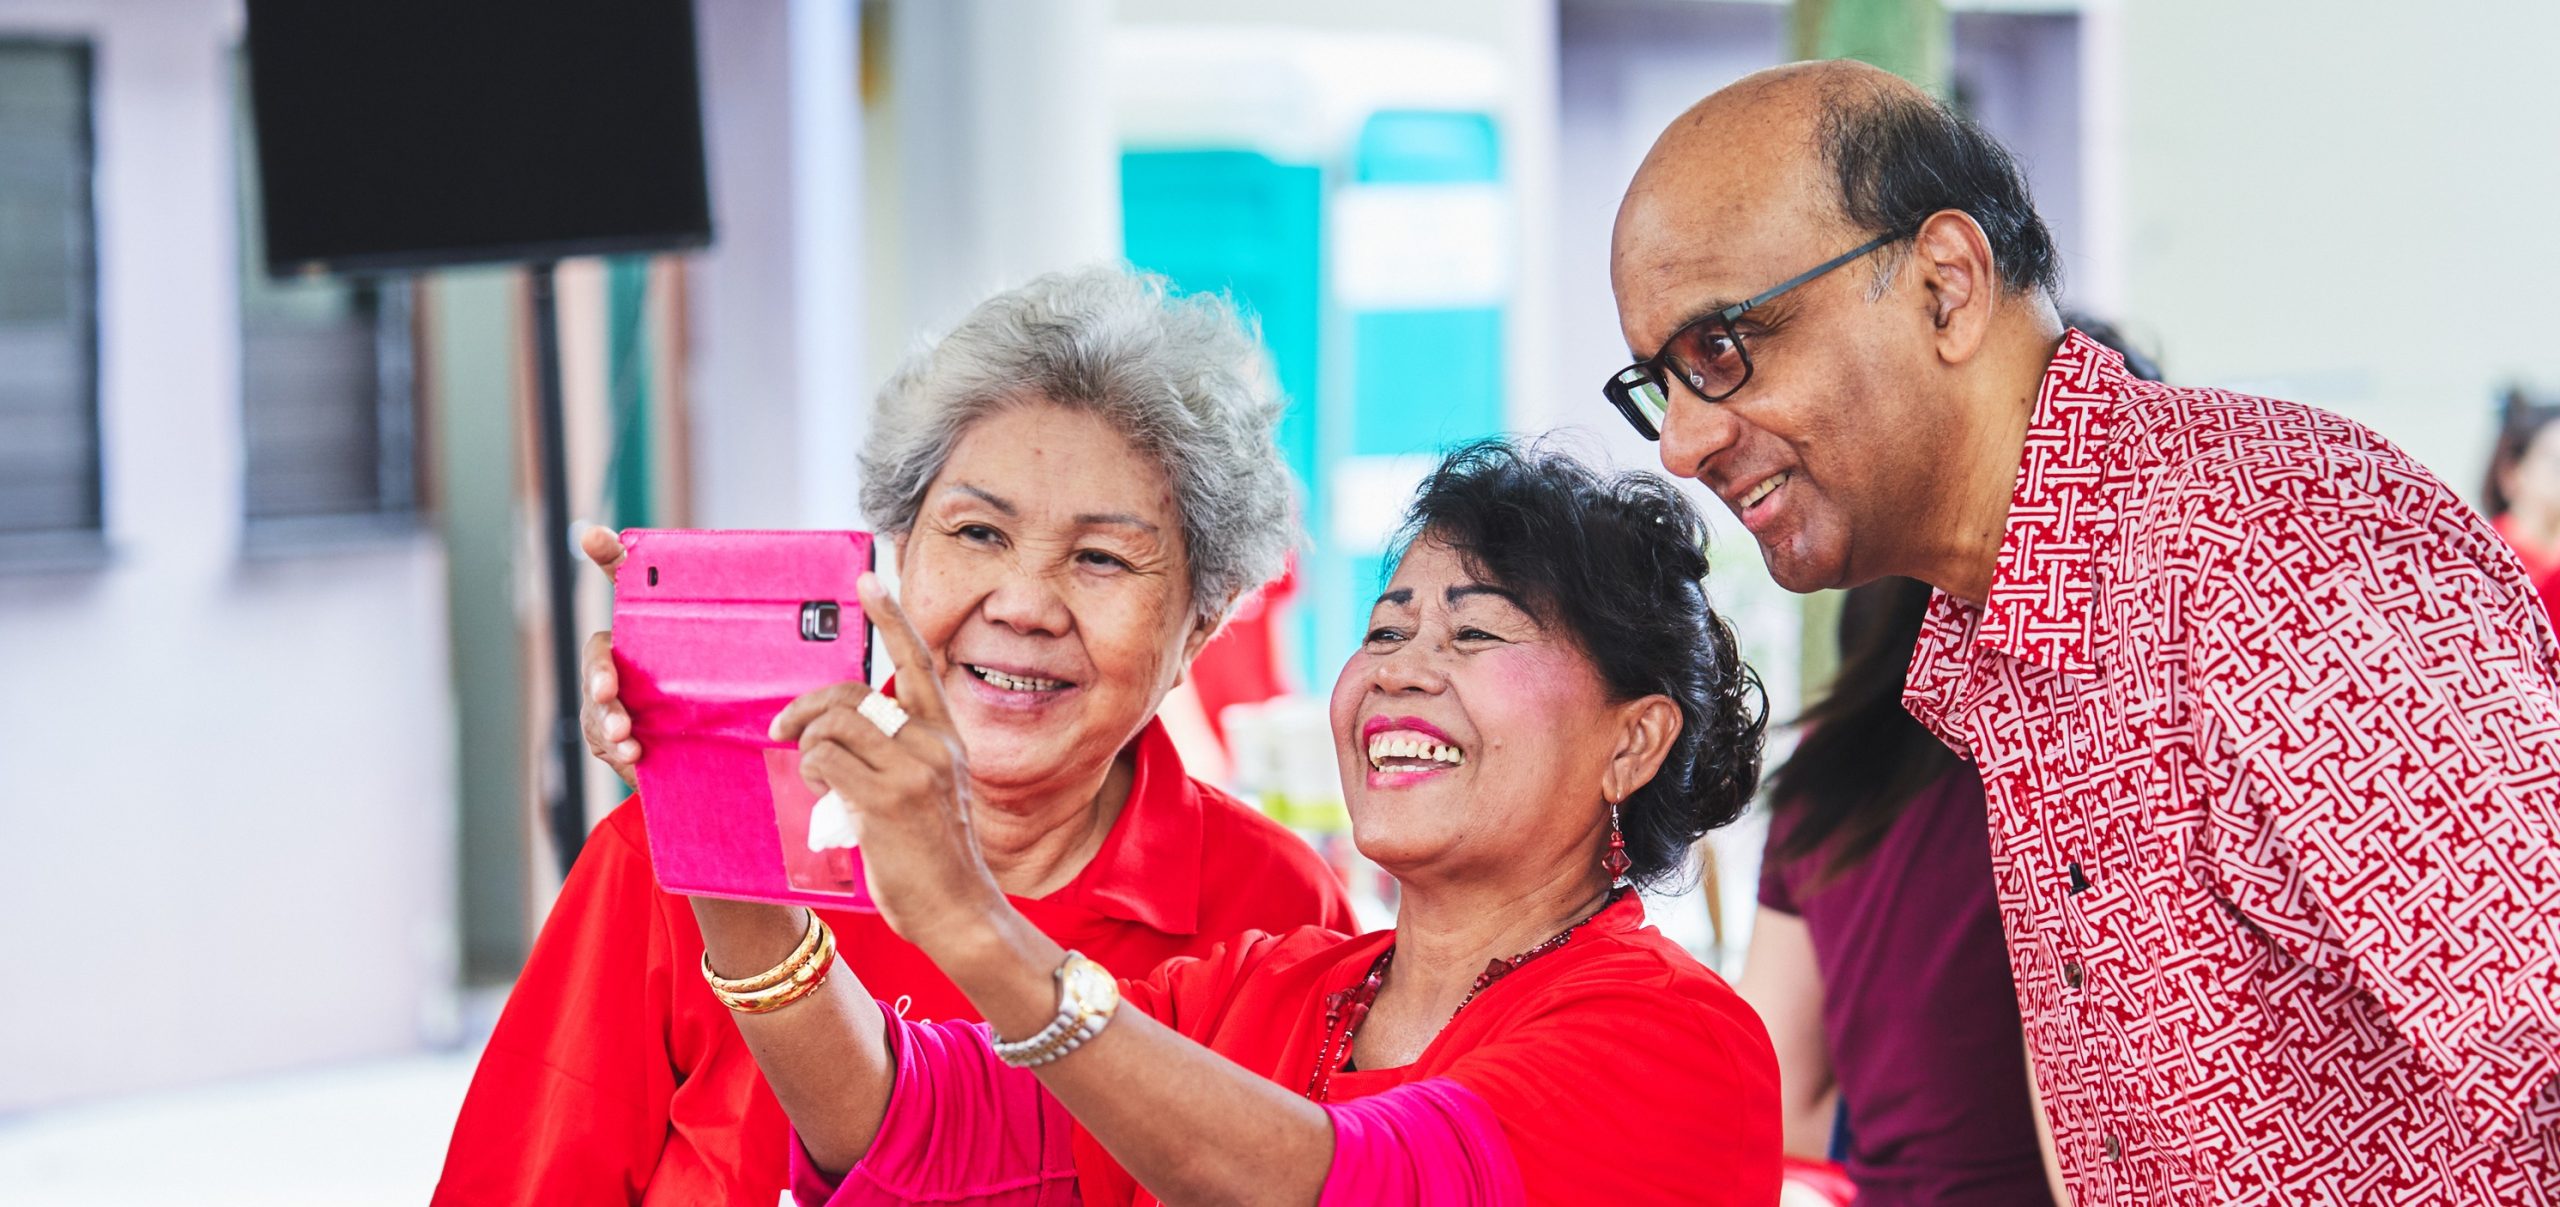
(831,825)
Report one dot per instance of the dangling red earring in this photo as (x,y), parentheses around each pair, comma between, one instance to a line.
(1616,862)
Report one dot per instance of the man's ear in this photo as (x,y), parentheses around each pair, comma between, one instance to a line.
(1646,729)
(1954,262)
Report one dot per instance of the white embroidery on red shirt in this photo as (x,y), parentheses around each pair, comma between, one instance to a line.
(2269,723)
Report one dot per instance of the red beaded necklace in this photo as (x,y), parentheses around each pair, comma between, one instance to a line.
(1346,1009)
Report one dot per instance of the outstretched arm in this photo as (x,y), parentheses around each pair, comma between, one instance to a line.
(1187,1123)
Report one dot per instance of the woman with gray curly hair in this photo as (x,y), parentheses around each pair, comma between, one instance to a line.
(1076,483)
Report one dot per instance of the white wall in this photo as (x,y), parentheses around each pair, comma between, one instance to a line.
(1005,163)
(226,791)
(2349,204)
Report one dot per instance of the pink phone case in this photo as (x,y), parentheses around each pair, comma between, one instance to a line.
(713,633)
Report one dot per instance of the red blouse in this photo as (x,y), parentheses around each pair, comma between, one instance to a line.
(615,1077)
(1621,1069)
(2543,569)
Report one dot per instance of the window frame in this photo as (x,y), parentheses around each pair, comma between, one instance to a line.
(396,388)
(42,550)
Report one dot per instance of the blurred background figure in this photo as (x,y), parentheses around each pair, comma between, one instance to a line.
(299,515)
(1877,958)
(2522,495)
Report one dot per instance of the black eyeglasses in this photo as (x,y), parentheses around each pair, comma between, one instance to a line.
(1706,355)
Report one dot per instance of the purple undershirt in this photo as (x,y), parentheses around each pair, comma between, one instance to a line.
(1917,1006)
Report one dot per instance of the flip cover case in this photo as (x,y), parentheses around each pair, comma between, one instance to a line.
(713,633)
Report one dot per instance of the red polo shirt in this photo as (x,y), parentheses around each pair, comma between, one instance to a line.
(1620,1069)
(2269,727)
(615,1077)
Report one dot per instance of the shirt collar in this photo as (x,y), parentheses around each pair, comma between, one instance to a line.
(1148,868)
(2038,609)
(2060,510)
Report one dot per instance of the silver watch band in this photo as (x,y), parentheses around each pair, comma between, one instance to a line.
(1088,996)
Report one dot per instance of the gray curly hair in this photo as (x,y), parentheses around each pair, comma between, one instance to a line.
(1183,378)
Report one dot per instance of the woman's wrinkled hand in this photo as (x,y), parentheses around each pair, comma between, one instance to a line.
(908,793)
(601,716)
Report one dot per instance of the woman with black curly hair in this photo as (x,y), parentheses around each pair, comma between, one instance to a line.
(1545,713)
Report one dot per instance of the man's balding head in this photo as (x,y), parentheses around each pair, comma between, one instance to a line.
(1746,155)
(1834,148)
(1853,372)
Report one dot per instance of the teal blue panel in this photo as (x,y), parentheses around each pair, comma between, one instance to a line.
(1426,379)
(628,479)
(1367,578)
(1244,223)
(1423,381)
(1405,146)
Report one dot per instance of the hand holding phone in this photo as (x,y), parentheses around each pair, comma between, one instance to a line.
(602,719)
(714,633)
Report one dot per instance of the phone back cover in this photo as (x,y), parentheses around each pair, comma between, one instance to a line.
(707,640)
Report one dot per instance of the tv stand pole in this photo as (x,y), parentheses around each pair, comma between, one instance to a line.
(566,786)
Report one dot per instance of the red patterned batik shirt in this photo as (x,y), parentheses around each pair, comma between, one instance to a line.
(2269,722)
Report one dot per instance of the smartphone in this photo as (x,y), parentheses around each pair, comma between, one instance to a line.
(714,631)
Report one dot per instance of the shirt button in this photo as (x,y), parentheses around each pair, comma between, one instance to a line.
(2071,973)
(2107,1144)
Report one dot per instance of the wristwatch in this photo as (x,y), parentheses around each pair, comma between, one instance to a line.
(1088,995)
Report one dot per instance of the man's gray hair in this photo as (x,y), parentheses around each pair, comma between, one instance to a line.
(1182,378)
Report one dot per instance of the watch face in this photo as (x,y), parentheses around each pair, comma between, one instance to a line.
(1090,987)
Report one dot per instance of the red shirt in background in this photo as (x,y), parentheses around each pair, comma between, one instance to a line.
(2541,567)
(1241,665)
(615,1077)
(2269,727)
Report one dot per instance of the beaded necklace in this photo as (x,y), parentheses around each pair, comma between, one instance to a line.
(1346,1009)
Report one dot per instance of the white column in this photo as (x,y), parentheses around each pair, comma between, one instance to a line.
(1010,163)
(779,403)
(2097,283)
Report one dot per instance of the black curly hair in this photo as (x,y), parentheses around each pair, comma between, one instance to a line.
(1619,561)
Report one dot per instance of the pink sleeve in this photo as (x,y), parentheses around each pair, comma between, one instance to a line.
(962,1127)
(1427,1141)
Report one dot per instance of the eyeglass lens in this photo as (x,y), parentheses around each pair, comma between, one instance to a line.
(1708,358)
(1638,390)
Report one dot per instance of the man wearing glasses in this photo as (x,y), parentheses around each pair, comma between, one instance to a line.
(2268,722)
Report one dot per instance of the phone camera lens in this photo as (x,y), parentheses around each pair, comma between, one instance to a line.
(818,620)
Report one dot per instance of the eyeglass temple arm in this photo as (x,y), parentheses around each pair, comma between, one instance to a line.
(1738,309)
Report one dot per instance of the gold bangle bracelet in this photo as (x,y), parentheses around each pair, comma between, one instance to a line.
(800,973)
(802,981)
(809,938)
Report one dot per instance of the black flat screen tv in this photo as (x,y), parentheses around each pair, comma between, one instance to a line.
(405,134)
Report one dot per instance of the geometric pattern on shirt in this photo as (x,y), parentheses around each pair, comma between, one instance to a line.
(2289,714)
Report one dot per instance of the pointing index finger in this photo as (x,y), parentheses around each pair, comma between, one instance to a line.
(920,688)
